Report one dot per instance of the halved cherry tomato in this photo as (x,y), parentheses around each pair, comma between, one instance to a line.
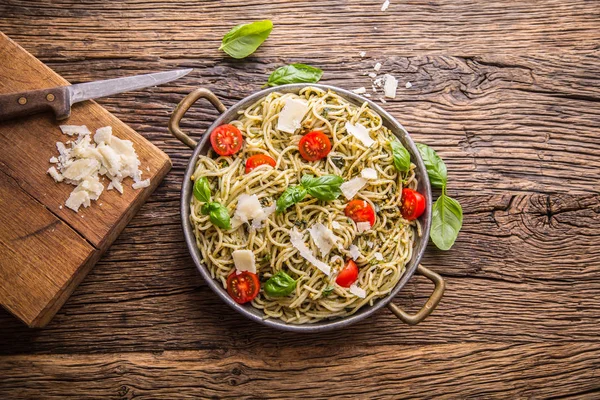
(243,287)
(360,211)
(413,204)
(259,159)
(347,275)
(226,140)
(314,145)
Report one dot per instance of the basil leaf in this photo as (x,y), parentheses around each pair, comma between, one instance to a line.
(294,73)
(279,285)
(327,291)
(436,169)
(326,187)
(290,196)
(202,190)
(219,215)
(205,208)
(243,40)
(446,221)
(401,156)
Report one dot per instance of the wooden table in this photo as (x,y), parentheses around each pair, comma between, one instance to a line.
(508,93)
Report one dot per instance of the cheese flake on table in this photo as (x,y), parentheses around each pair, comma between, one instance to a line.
(74,130)
(360,90)
(390,85)
(352,187)
(377,67)
(385,5)
(298,242)
(323,238)
(244,261)
(360,132)
(290,117)
(358,292)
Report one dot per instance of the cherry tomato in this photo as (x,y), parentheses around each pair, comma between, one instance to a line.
(243,287)
(360,211)
(226,140)
(347,275)
(259,159)
(314,146)
(413,204)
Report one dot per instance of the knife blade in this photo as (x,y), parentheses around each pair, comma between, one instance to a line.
(61,98)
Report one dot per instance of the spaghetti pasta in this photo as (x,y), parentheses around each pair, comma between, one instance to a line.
(385,249)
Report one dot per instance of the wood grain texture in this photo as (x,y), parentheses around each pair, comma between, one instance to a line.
(507,92)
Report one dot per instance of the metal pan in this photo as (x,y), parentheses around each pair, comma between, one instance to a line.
(227,115)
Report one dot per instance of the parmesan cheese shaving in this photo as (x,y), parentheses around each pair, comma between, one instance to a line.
(298,242)
(258,221)
(352,187)
(82,163)
(360,132)
(368,173)
(244,261)
(323,238)
(290,117)
(354,252)
(378,256)
(389,86)
(358,292)
(336,225)
(363,226)
(360,90)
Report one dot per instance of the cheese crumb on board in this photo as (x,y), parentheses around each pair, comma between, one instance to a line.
(290,117)
(385,5)
(83,162)
(377,67)
(362,54)
(360,90)
(408,85)
(244,261)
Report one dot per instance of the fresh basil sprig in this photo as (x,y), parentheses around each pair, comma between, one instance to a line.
(325,188)
(436,168)
(243,40)
(202,189)
(279,285)
(291,195)
(217,212)
(446,214)
(446,221)
(294,73)
(401,156)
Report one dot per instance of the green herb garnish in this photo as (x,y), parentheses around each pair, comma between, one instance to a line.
(243,40)
(325,188)
(294,73)
(280,285)
(446,213)
(217,212)
(401,156)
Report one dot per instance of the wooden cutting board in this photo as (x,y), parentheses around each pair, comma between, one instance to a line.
(47,249)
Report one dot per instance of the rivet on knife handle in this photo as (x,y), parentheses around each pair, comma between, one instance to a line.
(15,105)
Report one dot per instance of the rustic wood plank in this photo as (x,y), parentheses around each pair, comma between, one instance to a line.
(30,293)
(467,371)
(511,276)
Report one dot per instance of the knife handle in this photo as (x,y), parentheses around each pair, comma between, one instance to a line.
(15,105)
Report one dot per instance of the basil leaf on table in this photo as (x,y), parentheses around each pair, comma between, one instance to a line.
(446,221)
(202,190)
(436,168)
(294,73)
(326,187)
(290,196)
(279,285)
(401,156)
(243,40)
(219,215)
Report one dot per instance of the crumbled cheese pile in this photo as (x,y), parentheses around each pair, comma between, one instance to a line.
(82,163)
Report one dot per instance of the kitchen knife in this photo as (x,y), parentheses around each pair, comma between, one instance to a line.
(60,99)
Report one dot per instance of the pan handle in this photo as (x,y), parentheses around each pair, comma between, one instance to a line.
(185,105)
(432,302)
